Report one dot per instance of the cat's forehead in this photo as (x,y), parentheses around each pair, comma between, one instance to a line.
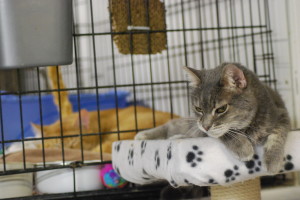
(208,95)
(205,96)
(210,75)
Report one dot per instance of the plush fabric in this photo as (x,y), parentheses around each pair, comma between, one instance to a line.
(199,161)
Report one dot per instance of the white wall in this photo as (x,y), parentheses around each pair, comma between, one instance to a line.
(285,25)
(293,17)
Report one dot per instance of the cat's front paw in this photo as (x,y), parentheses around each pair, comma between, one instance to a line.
(274,163)
(143,135)
(274,153)
(242,149)
(273,167)
(246,153)
(152,134)
(179,136)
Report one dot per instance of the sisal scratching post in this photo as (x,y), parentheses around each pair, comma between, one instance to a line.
(141,16)
(248,190)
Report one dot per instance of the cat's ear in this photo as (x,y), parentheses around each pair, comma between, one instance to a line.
(233,77)
(195,81)
(85,119)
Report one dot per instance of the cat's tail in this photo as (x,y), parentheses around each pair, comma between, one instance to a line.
(61,99)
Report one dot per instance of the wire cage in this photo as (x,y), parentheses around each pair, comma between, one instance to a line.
(199,33)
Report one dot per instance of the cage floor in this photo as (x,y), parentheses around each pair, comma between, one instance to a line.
(145,192)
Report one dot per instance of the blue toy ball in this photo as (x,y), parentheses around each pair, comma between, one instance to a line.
(110,178)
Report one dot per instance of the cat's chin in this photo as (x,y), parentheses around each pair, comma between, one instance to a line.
(210,133)
(214,135)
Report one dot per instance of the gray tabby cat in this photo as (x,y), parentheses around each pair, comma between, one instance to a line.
(231,104)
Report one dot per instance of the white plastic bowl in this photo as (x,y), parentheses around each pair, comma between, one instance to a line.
(17,185)
(62,180)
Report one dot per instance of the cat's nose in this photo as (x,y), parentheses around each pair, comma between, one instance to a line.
(207,127)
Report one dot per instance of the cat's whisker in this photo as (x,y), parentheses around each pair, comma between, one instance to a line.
(235,131)
(233,139)
(220,129)
(189,119)
(233,136)
(236,140)
(193,121)
(242,134)
(192,130)
(188,123)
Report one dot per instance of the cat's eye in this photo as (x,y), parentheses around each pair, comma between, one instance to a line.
(198,109)
(222,109)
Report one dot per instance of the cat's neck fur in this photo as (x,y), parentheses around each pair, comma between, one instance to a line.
(268,102)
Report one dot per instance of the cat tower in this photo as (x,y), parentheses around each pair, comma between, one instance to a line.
(198,161)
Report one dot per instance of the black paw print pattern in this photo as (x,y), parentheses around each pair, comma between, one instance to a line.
(117,170)
(157,159)
(212,181)
(146,174)
(118,146)
(186,181)
(130,156)
(253,165)
(173,183)
(194,157)
(288,165)
(169,153)
(231,174)
(145,178)
(143,147)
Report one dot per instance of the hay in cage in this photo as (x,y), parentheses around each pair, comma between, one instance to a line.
(144,17)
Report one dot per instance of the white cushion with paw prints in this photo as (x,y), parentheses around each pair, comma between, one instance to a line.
(199,161)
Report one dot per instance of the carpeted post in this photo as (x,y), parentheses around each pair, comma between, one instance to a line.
(248,190)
